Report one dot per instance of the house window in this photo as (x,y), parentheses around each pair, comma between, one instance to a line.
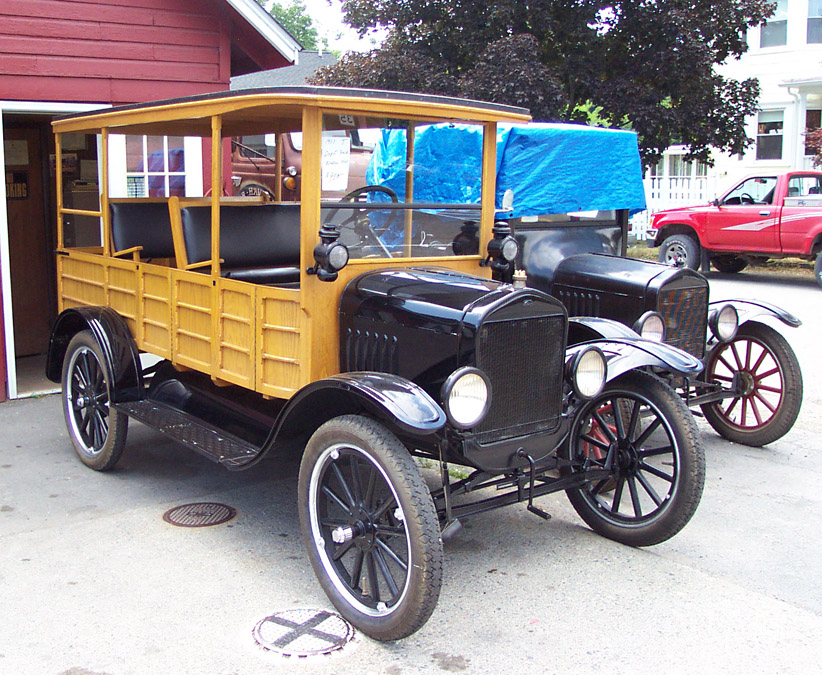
(775,32)
(769,135)
(155,166)
(814,21)
(813,120)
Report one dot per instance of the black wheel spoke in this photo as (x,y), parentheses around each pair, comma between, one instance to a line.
(356,569)
(634,497)
(373,580)
(605,427)
(656,472)
(333,522)
(633,423)
(386,573)
(595,442)
(342,549)
(392,555)
(353,464)
(618,419)
(388,531)
(368,501)
(343,484)
(380,512)
(655,452)
(330,494)
(620,486)
(652,427)
(648,488)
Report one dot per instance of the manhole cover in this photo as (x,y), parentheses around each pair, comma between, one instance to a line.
(303,632)
(201,514)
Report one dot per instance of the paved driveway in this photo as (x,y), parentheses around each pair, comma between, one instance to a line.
(93,581)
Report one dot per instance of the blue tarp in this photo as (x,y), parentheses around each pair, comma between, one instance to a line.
(551,168)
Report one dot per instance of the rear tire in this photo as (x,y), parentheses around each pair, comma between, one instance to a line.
(729,264)
(680,250)
(370,527)
(653,447)
(97,432)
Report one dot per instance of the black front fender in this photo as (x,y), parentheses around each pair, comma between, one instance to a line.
(115,340)
(404,407)
(623,355)
(750,309)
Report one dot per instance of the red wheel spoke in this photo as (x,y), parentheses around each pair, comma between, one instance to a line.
(730,408)
(768,374)
(736,357)
(765,387)
(759,360)
(722,378)
(756,411)
(765,402)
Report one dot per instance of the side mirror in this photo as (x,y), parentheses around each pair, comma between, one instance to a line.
(717,202)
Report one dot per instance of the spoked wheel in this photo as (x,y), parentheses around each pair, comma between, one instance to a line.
(639,429)
(761,366)
(370,527)
(97,432)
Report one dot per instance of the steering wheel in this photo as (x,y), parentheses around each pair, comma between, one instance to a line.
(359,221)
(745,198)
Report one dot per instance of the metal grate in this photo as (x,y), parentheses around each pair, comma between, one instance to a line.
(685,312)
(303,632)
(201,514)
(371,350)
(523,358)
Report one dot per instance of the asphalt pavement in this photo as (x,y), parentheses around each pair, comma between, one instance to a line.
(93,581)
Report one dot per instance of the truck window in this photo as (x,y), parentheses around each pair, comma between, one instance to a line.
(757,190)
(804,186)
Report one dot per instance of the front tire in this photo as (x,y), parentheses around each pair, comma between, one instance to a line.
(817,268)
(97,432)
(370,527)
(640,429)
(680,250)
(762,364)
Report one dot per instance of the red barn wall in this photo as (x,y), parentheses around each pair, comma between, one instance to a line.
(113,51)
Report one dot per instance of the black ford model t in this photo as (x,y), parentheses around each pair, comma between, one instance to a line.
(300,327)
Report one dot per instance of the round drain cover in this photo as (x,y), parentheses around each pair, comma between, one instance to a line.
(303,632)
(201,514)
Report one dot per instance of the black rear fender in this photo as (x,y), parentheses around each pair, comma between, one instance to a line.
(118,346)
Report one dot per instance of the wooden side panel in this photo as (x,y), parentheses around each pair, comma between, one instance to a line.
(280,332)
(236,332)
(193,298)
(123,292)
(82,281)
(155,335)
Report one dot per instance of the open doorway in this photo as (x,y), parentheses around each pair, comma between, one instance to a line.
(30,291)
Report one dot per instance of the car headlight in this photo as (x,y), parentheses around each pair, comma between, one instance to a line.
(724,322)
(651,326)
(588,372)
(466,397)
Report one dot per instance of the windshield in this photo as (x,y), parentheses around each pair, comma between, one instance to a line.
(407,188)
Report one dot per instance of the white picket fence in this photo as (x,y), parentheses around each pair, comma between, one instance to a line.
(670,193)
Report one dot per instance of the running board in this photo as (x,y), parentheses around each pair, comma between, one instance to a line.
(219,446)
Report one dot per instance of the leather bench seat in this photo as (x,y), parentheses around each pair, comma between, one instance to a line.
(258,243)
(145,224)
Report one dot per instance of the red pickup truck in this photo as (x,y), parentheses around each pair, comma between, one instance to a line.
(765,216)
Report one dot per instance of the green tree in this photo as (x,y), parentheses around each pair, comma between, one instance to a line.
(296,20)
(646,64)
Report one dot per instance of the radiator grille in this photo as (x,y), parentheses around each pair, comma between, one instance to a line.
(685,312)
(523,358)
(371,350)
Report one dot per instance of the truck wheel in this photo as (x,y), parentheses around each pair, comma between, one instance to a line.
(817,268)
(370,527)
(680,250)
(764,367)
(729,264)
(97,432)
(640,428)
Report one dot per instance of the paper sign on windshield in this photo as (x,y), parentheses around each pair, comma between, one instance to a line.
(335,163)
